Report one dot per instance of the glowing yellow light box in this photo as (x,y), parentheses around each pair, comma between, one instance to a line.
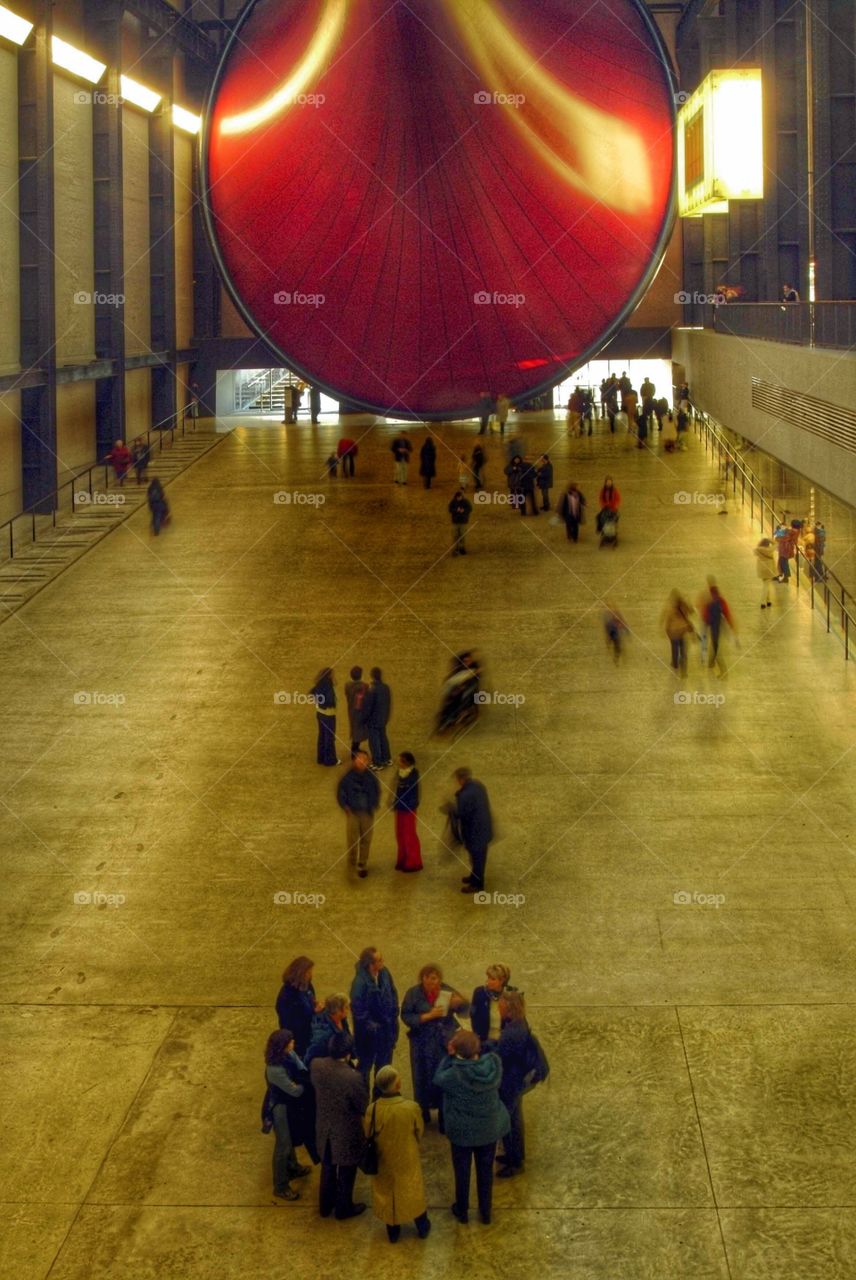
(721,143)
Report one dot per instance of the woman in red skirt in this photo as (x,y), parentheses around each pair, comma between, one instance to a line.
(405,804)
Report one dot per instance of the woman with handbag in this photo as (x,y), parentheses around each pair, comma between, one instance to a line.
(288,1086)
(394,1125)
(517,1053)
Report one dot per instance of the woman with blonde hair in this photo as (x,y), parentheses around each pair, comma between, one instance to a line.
(484,1009)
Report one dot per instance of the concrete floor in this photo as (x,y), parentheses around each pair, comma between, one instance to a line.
(699,1120)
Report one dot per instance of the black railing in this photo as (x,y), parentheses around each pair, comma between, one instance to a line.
(827,591)
(37,519)
(805,324)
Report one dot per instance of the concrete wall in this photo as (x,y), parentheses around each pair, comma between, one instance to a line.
(135,183)
(183,239)
(720,369)
(74,264)
(138,402)
(75,428)
(10,281)
(11,499)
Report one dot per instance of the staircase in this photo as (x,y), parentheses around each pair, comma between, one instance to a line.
(265,393)
(58,544)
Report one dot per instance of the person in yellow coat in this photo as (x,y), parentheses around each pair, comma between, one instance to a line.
(398,1192)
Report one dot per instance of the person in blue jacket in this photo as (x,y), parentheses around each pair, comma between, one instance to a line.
(472,810)
(474,1116)
(374,1007)
(332,1019)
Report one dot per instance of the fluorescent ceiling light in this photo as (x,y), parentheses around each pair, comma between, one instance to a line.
(138,94)
(186,120)
(73,60)
(12,27)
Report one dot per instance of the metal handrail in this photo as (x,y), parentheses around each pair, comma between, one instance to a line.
(179,423)
(827,586)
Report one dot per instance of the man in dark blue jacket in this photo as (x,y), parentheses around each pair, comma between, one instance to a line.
(472,809)
(359,795)
(378,709)
(374,1004)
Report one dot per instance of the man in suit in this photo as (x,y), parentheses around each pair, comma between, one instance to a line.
(472,810)
(341,1098)
(378,710)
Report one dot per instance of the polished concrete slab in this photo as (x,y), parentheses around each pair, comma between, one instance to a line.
(675,874)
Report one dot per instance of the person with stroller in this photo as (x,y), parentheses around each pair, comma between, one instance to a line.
(609,500)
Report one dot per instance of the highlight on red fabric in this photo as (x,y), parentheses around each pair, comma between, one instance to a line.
(418,203)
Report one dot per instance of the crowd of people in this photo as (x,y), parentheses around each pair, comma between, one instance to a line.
(358,793)
(332,1090)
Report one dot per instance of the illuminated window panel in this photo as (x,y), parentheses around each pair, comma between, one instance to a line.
(12,27)
(721,143)
(75,61)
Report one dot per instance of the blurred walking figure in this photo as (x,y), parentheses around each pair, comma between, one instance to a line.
(323,694)
(615,628)
(378,708)
(670,432)
(477,462)
(141,453)
(401,448)
(544,477)
(332,465)
(485,410)
(765,567)
(714,612)
(814,546)
(374,1005)
(347,451)
(120,460)
(463,473)
(677,626)
(503,406)
(398,1190)
(609,500)
(405,804)
(156,499)
(459,509)
(428,462)
(572,511)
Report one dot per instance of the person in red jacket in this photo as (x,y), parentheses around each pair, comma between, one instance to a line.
(347,450)
(714,610)
(120,460)
(609,500)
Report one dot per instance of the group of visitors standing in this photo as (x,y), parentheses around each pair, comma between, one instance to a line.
(359,792)
(319,1096)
